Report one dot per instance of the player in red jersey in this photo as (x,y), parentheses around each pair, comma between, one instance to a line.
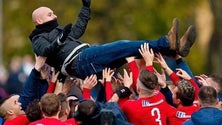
(150,107)
(183,94)
(11,111)
(50,107)
(183,98)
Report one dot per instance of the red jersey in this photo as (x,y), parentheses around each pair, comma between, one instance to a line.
(19,120)
(70,121)
(149,111)
(184,113)
(48,121)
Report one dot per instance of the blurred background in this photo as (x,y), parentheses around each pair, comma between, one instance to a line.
(119,19)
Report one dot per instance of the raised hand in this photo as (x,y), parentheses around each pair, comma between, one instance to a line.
(54,75)
(202,79)
(161,61)
(161,78)
(39,62)
(128,79)
(90,82)
(67,29)
(147,53)
(58,87)
(183,74)
(86,3)
(68,85)
(107,75)
(41,66)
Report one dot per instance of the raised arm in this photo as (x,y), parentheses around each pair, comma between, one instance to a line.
(167,69)
(82,21)
(148,56)
(34,86)
(134,69)
(88,84)
(107,76)
(183,74)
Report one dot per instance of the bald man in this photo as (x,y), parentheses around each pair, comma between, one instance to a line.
(66,54)
(11,111)
(47,31)
(42,15)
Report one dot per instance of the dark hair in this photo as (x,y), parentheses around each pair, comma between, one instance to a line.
(148,79)
(72,105)
(88,113)
(64,103)
(207,95)
(33,111)
(186,92)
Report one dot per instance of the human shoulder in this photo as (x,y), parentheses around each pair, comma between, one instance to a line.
(19,120)
(48,121)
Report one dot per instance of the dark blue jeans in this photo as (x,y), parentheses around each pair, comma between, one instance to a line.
(94,59)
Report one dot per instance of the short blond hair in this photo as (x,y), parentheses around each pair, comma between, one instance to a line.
(50,104)
(4,106)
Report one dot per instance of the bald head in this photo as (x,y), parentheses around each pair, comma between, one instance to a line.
(42,15)
(10,107)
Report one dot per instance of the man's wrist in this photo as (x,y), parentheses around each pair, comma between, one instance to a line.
(38,69)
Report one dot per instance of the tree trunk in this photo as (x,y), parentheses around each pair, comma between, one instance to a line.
(214,62)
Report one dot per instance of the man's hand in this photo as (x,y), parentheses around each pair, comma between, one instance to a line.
(147,53)
(65,33)
(128,79)
(90,82)
(54,75)
(183,74)
(107,75)
(86,3)
(39,62)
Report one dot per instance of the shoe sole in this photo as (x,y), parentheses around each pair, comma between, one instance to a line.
(191,37)
(177,24)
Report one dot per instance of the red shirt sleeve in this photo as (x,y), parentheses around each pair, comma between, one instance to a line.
(108,90)
(135,71)
(195,87)
(174,78)
(150,68)
(86,93)
(51,87)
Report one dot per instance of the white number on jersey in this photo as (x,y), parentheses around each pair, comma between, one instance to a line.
(156,112)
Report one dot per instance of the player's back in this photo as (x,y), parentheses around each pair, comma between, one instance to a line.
(148,111)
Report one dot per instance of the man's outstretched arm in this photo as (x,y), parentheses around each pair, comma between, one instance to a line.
(82,21)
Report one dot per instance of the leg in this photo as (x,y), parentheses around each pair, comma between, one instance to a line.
(94,59)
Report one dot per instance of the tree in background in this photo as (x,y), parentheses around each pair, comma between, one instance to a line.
(214,60)
(111,20)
